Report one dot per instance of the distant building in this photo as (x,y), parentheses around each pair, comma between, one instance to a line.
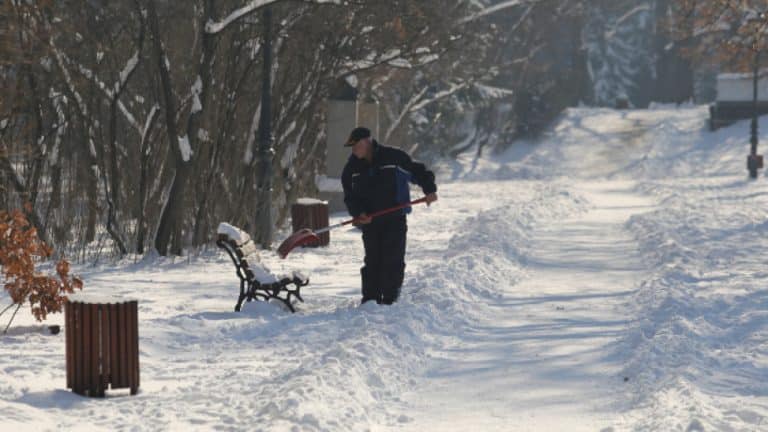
(344,113)
(735,98)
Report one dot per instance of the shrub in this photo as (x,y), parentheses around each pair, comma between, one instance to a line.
(20,250)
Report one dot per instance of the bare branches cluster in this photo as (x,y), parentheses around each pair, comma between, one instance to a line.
(131,126)
(724,32)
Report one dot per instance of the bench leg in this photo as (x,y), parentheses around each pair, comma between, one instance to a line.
(242,296)
(288,303)
(239,304)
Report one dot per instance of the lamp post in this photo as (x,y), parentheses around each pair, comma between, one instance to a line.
(266,152)
(754,160)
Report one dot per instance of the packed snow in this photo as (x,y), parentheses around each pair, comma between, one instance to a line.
(605,278)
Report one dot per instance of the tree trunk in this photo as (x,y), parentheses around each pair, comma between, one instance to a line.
(55,201)
(7,167)
(143,179)
(169,223)
(92,188)
(37,145)
(172,218)
(111,188)
(263,222)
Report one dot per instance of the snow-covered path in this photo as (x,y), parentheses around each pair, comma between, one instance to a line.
(608,278)
(544,357)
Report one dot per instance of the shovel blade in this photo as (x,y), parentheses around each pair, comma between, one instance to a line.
(299,238)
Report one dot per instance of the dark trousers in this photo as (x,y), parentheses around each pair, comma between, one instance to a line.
(384,242)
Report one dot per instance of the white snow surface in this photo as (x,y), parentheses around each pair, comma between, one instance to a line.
(606,278)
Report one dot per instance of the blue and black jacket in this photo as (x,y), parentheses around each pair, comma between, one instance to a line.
(383,183)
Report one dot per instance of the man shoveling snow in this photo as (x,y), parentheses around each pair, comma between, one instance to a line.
(375,178)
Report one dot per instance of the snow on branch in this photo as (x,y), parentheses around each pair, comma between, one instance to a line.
(495,8)
(439,95)
(416,103)
(130,66)
(404,112)
(491,92)
(394,58)
(61,62)
(626,17)
(117,87)
(112,92)
(185,149)
(212,27)
(195,91)
(719,27)
(58,101)
(148,124)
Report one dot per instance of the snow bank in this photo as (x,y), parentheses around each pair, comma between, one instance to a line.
(360,359)
(698,347)
(696,344)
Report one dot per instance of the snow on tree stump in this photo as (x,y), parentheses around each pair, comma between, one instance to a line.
(102,346)
(313,214)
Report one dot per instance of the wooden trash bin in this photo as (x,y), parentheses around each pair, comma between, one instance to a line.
(102,346)
(313,214)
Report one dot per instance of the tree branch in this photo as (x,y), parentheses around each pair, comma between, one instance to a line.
(212,27)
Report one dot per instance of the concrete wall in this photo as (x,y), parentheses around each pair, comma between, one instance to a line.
(368,116)
(342,118)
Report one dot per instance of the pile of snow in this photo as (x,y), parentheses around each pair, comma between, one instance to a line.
(698,350)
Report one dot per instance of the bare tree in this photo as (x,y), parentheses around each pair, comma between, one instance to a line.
(732,32)
(134,124)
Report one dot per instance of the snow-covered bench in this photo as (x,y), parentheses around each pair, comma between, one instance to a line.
(256,281)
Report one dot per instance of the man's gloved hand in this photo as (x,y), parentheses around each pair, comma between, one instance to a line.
(431,198)
(363,219)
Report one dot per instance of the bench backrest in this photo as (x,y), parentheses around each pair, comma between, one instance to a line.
(246,252)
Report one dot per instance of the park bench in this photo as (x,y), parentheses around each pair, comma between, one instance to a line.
(256,281)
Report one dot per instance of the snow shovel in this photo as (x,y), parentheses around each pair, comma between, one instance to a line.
(306,235)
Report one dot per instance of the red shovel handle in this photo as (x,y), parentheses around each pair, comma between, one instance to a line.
(306,235)
(388,210)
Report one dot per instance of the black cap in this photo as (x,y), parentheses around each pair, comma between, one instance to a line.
(356,135)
